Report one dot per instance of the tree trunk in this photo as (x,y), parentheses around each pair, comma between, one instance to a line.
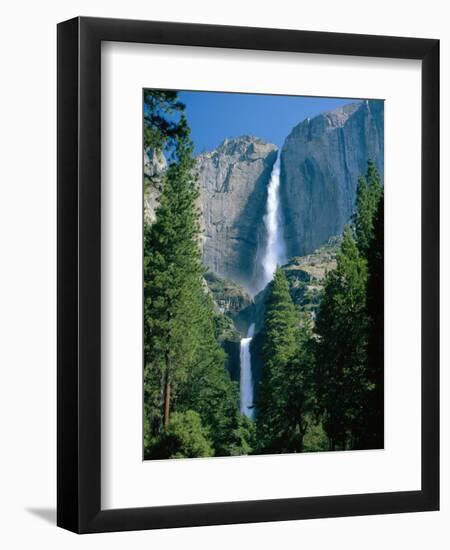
(166,403)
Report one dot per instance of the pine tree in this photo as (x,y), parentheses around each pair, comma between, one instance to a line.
(368,194)
(369,229)
(172,274)
(184,370)
(208,388)
(283,392)
(163,125)
(185,437)
(373,433)
(341,348)
(350,328)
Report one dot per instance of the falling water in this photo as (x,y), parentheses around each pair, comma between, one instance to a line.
(246,383)
(273,256)
(275,251)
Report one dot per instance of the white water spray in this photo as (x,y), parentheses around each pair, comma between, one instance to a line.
(275,250)
(274,255)
(246,382)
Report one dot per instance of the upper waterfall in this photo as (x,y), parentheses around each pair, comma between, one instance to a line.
(275,249)
(274,255)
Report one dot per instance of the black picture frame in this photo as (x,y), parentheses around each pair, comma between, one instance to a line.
(79,281)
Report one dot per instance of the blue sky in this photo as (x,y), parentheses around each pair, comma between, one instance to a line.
(214,116)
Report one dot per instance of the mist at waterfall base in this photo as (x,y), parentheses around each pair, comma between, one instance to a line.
(274,255)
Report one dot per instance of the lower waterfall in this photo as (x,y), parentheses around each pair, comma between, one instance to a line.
(246,381)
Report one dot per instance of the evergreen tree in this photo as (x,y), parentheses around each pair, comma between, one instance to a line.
(184,370)
(208,388)
(284,390)
(368,195)
(373,434)
(185,437)
(341,348)
(350,328)
(163,124)
(172,273)
(369,231)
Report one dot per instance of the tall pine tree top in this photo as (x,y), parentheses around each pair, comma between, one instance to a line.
(190,402)
(280,397)
(280,322)
(341,347)
(368,195)
(163,125)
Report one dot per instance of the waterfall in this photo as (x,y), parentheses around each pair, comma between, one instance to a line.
(275,250)
(273,256)
(246,382)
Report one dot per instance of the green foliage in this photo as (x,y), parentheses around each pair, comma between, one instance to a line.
(244,437)
(350,328)
(368,195)
(184,372)
(321,386)
(185,437)
(284,393)
(172,275)
(341,348)
(369,230)
(373,435)
(163,123)
(208,388)
(306,275)
(224,328)
(315,438)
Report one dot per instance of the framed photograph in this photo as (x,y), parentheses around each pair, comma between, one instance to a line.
(248,288)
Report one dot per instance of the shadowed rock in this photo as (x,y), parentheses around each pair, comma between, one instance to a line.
(233,183)
(321,160)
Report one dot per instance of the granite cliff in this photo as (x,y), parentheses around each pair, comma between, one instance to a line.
(154,166)
(233,183)
(321,160)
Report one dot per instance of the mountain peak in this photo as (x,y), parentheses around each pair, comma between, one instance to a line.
(326,121)
(240,148)
(233,183)
(321,161)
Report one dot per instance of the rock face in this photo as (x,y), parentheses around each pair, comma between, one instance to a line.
(233,183)
(321,160)
(306,278)
(229,297)
(306,275)
(154,165)
(233,309)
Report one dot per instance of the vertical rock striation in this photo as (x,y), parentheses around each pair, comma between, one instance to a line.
(154,166)
(321,160)
(233,183)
